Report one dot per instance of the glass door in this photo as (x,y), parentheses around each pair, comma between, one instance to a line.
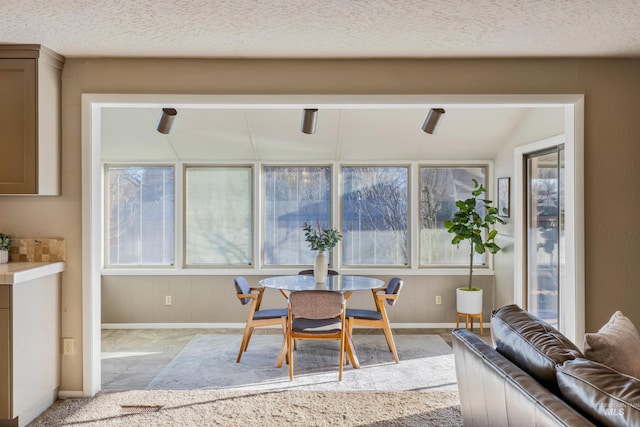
(545,233)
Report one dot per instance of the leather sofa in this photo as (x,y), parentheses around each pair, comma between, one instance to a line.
(534,376)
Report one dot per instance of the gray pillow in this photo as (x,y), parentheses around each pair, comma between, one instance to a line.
(616,344)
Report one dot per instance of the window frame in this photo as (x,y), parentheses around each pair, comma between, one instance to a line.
(257,266)
(339,212)
(106,205)
(262,216)
(488,168)
(183,215)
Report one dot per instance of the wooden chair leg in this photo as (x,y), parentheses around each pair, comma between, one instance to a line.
(245,342)
(392,345)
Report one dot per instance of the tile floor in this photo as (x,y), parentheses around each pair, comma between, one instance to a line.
(132,358)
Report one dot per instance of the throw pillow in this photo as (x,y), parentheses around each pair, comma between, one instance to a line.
(616,344)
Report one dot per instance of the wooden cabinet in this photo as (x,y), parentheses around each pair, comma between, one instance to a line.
(5,352)
(30,77)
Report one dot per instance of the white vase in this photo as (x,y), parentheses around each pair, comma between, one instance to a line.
(468,302)
(4,256)
(320,267)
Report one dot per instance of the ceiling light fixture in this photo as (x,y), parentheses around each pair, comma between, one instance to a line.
(166,120)
(433,120)
(309,120)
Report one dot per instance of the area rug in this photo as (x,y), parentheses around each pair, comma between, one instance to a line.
(261,408)
(208,362)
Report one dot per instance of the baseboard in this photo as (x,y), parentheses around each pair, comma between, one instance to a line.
(70,394)
(241,325)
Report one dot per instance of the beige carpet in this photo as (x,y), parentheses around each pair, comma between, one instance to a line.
(264,409)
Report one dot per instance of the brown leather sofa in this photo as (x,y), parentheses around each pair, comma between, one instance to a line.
(534,376)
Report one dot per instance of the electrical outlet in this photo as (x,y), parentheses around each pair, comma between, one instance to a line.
(67,346)
(167,300)
(438,300)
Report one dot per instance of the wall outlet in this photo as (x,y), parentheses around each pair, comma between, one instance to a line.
(68,347)
(438,300)
(167,300)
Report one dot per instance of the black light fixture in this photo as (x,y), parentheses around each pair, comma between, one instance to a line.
(433,120)
(309,120)
(166,120)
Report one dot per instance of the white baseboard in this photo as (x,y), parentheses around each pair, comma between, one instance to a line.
(70,394)
(241,325)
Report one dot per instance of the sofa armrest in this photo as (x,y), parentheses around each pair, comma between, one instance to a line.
(494,391)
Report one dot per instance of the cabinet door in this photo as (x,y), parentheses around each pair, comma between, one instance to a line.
(5,364)
(18,145)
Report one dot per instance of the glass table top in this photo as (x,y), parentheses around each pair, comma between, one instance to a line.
(333,283)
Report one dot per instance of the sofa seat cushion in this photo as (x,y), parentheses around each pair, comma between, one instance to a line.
(531,343)
(616,344)
(602,393)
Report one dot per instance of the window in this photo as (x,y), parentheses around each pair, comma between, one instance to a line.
(440,187)
(140,209)
(293,196)
(218,216)
(374,216)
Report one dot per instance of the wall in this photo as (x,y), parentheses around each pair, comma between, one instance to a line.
(528,131)
(612,132)
(212,299)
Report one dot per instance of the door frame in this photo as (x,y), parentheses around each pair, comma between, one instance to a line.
(572,295)
(92,184)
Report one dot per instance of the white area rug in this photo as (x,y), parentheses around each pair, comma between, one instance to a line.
(208,362)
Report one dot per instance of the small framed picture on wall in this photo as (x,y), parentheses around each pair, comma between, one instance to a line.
(503,197)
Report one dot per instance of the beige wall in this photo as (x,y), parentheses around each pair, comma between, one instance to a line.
(212,299)
(612,148)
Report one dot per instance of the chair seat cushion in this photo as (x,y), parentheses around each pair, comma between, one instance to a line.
(270,314)
(363,314)
(320,326)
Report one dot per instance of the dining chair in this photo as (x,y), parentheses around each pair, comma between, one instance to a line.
(316,315)
(378,318)
(310,273)
(257,317)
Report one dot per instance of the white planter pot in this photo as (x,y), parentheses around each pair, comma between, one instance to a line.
(469,302)
(320,267)
(4,256)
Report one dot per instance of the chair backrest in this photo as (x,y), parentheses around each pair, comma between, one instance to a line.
(242,287)
(393,288)
(310,273)
(316,304)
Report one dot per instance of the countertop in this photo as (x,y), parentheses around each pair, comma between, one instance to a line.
(13,273)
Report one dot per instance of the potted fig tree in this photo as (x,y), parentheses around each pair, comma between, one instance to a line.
(321,240)
(474,221)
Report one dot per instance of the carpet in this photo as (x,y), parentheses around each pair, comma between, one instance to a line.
(261,408)
(208,361)
(204,386)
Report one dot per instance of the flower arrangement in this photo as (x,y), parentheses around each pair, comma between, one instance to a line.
(321,240)
(5,241)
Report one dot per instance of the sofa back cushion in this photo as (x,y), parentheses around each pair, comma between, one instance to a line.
(603,394)
(531,343)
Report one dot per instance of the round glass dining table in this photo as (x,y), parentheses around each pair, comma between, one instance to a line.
(340,283)
(346,284)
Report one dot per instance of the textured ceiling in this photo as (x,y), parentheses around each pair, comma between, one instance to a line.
(327,28)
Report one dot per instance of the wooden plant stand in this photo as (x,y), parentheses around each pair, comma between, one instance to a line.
(468,318)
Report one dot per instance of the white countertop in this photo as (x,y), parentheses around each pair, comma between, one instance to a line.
(12,273)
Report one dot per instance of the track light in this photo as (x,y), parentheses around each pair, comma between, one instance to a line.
(166,120)
(309,120)
(433,120)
